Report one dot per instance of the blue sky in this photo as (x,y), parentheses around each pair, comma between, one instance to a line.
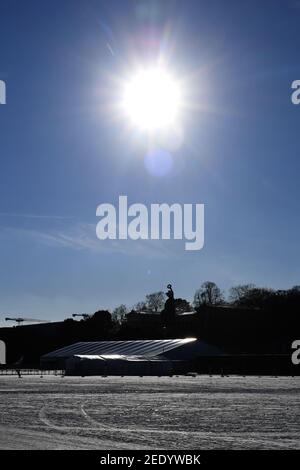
(62,151)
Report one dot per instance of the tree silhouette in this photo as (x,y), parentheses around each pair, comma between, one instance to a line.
(120,313)
(182,306)
(140,306)
(250,296)
(155,301)
(240,292)
(208,294)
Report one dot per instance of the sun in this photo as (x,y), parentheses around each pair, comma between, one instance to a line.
(152,99)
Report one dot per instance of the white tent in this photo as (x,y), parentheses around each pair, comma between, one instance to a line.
(117,364)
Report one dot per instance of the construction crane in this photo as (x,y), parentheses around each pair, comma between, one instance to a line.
(20,320)
(83,315)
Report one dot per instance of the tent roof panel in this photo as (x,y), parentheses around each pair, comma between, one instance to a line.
(126,348)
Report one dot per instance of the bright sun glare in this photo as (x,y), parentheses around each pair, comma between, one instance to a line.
(152,99)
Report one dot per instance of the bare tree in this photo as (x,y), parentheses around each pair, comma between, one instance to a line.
(120,313)
(155,301)
(238,293)
(295,290)
(182,306)
(140,306)
(208,294)
(250,296)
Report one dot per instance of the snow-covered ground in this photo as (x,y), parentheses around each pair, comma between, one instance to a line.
(150,413)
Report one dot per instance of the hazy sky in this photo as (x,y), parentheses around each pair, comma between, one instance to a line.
(64,151)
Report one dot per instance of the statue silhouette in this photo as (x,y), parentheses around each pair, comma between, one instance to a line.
(168,313)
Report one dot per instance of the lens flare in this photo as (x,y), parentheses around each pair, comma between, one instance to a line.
(158,162)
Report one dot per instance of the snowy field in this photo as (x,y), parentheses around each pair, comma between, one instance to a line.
(149,413)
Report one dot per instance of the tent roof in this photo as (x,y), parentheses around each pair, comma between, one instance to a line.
(125,348)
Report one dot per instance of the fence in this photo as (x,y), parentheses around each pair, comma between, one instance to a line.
(21,372)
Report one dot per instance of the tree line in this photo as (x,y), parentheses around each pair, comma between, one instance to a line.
(249,319)
(209,294)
